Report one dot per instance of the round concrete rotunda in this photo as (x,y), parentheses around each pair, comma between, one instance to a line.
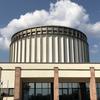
(49,44)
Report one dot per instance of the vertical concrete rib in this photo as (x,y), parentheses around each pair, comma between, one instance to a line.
(14,53)
(30,47)
(17,52)
(25,51)
(21,50)
(35,59)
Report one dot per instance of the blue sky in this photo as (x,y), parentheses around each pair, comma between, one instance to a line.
(13,9)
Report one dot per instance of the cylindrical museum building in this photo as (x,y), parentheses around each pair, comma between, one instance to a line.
(49,44)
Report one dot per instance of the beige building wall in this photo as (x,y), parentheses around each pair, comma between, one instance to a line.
(8,98)
(8,77)
(46,71)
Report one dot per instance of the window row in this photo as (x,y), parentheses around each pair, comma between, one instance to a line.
(7,91)
(36,85)
(59,31)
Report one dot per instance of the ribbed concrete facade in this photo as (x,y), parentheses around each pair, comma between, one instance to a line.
(49,44)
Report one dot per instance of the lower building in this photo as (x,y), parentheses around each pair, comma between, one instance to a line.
(50,81)
(49,63)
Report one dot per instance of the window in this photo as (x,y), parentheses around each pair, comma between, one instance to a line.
(11,92)
(7,91)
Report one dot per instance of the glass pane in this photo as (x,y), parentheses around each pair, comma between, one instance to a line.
(45,85)
(98,85)
(26,95)
(49,90)
(11,92)
(45,91)
(31,91)
(87,85)
(49,85)
(60,85)
(65,85)
(25,85)
(65,91)
(31,97)
(99,93)
(31,85)
(70,85)
(70,91)
(75,91)
(38,85)
(4,92)
(38,92)
(75,85)
(60,91)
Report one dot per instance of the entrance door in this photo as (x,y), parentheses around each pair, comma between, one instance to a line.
(73,91)
(37,91)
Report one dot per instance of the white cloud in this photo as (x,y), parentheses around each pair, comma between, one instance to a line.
(64,13)
(4,43)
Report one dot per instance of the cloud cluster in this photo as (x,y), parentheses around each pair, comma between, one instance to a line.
(64,13)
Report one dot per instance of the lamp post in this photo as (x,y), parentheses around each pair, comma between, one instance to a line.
(1,83)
